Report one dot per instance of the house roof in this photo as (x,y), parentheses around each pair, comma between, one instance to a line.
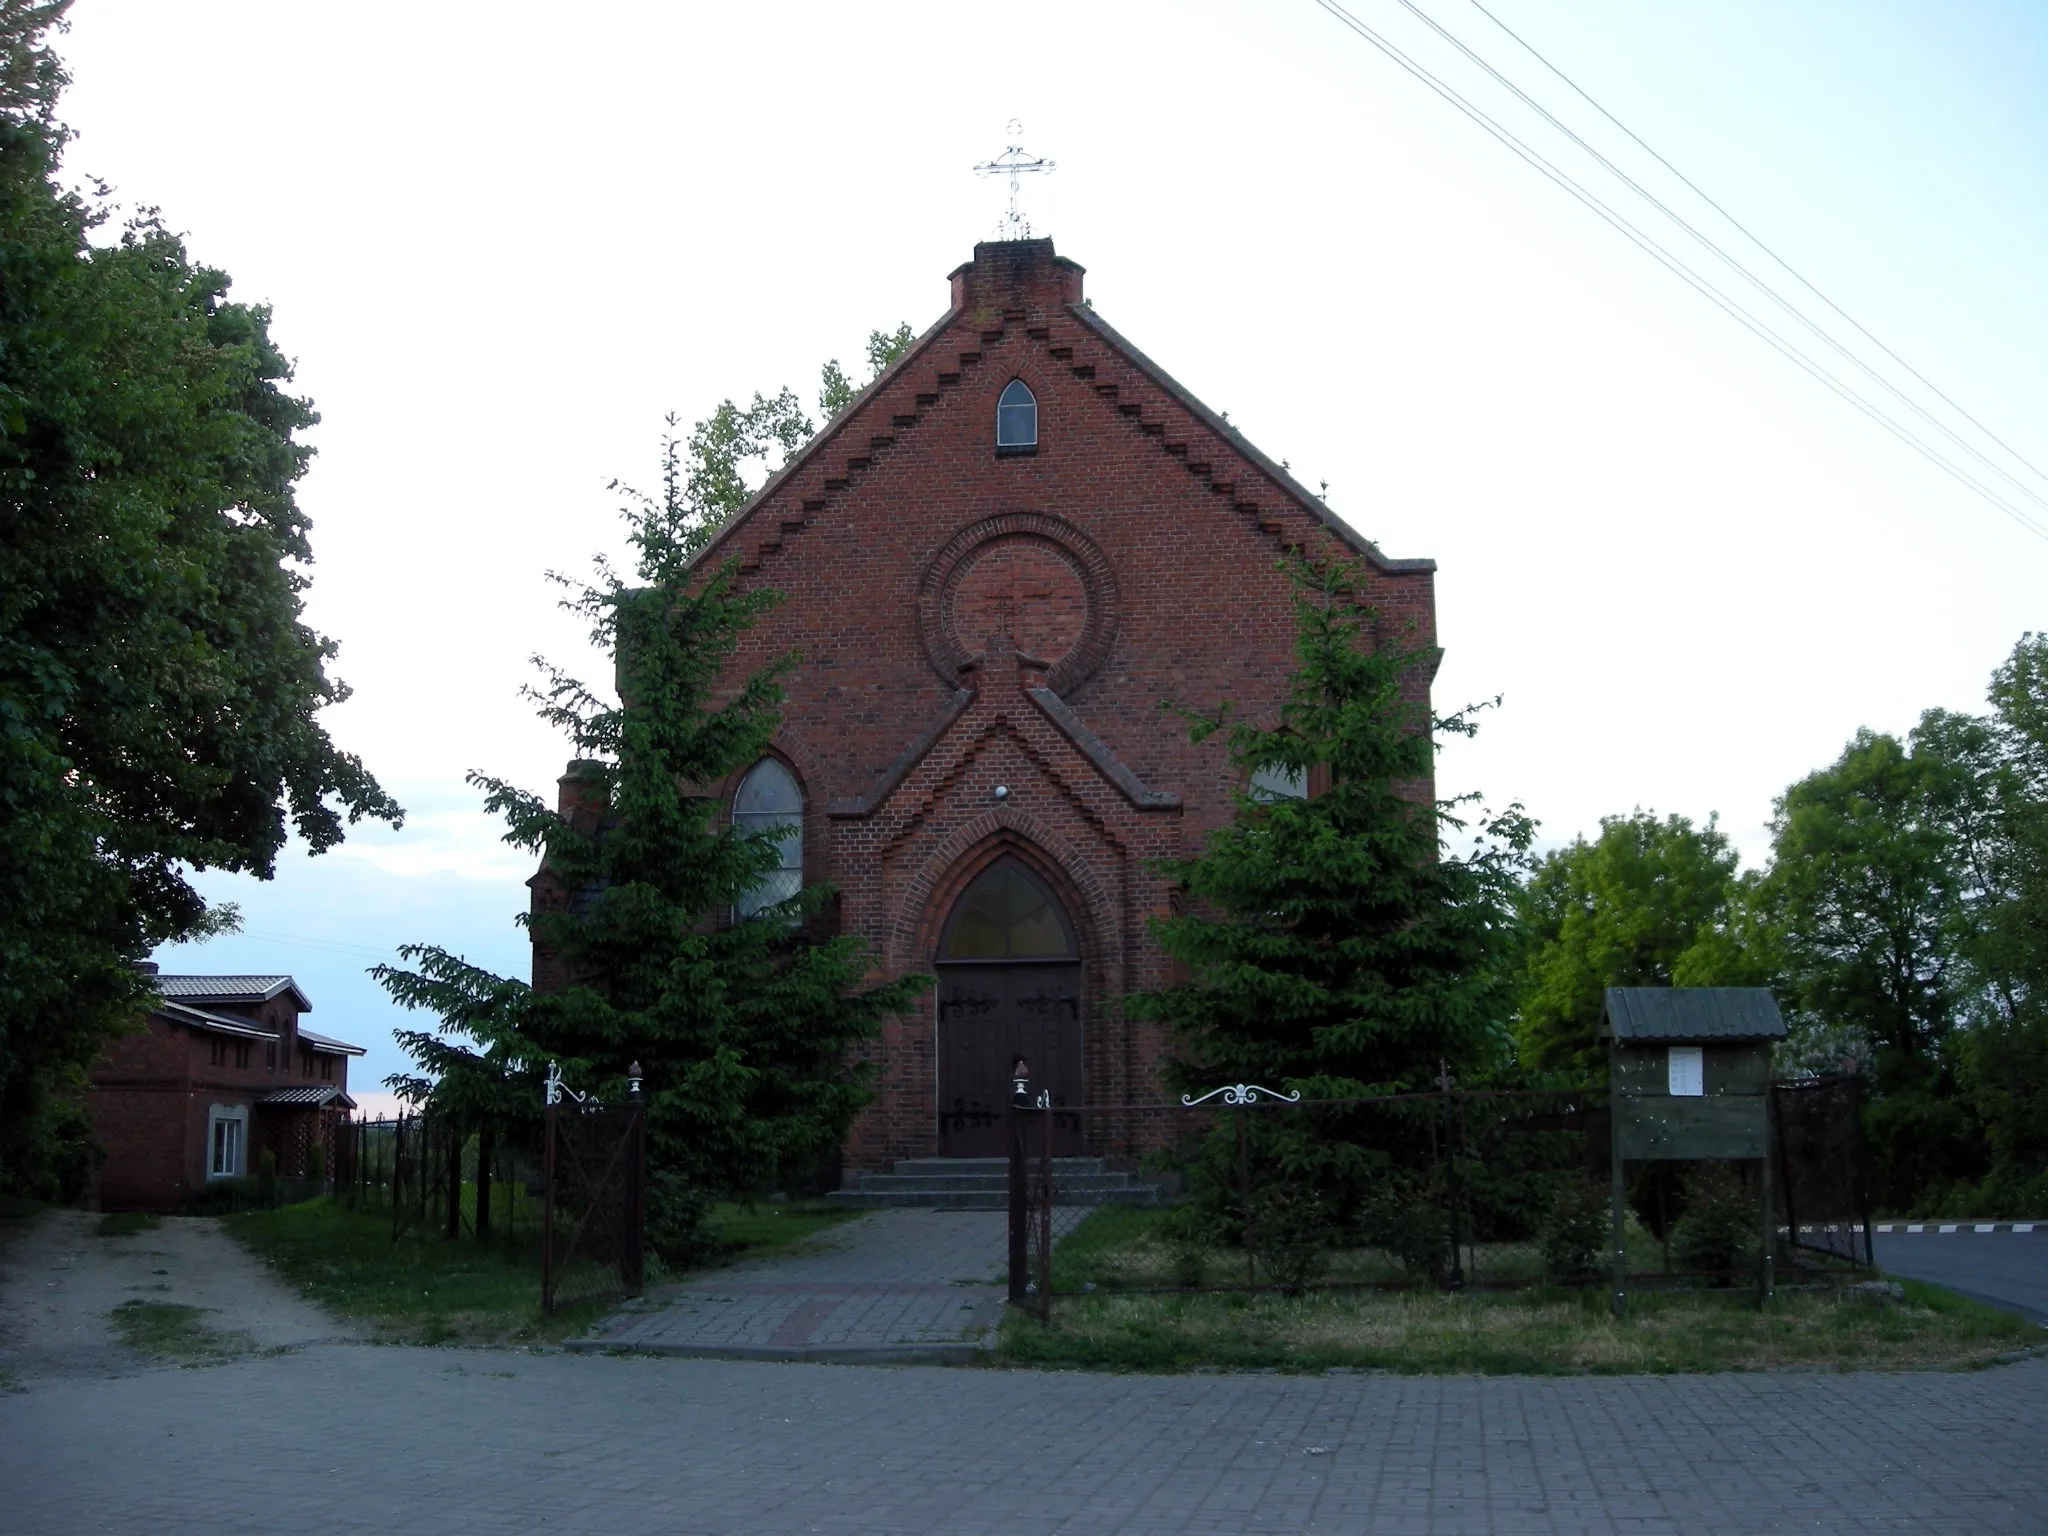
(310,1098)
(324,1043)
(214,1023)
(1720,1015)
(231,989)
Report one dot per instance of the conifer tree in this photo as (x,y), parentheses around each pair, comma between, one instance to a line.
(744,1029)
(1333,945)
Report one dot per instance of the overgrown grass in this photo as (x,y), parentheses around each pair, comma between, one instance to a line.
(174,1333)
(755,1231)
(418,1290)
(126,1223)
(423,1289)
(1538,1331)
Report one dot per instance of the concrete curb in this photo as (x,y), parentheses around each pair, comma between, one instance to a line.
(812,1354)
(1932,1227)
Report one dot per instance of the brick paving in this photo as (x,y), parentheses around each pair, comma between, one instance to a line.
(357,1438)
(901,1285)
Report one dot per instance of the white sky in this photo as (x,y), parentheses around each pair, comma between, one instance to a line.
(502,241)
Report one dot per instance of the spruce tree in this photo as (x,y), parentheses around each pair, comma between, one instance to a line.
(1333,944)
(745,1030)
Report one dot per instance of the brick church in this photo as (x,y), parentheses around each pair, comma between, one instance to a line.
(998,561)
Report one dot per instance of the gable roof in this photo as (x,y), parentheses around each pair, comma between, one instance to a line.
(1720,1015)
(231,989)
(332,1046)
(1305,499)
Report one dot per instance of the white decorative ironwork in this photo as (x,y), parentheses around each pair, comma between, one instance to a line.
(557,1088)
(1241,1093)
(1015,162)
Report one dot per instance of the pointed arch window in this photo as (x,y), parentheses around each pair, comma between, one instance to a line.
(769,803)
(1016,418)
(1007,914)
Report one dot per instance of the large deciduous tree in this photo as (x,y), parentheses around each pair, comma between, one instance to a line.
(1648,903)
(159,688)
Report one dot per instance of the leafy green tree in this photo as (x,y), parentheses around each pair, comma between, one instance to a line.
(746,1030)
(159,689)
(1332,944)
(1877,890)
(730,451)
(1648,903)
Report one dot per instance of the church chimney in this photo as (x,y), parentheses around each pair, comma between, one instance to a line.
(1013,275)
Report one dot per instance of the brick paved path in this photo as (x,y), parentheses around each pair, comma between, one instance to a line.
(357,1438)
(899,1285)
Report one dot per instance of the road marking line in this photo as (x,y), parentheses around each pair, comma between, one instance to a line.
(1916,1227)
(1949,1227)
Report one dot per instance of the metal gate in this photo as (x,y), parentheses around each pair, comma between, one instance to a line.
(593,1222)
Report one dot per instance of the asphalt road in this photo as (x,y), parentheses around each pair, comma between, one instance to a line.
(2007,1269)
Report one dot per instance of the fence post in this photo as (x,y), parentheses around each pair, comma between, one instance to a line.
(1244,1194)
(451,1148)
(633,1248)
(547,1213)
(1046,1196)
(1766,1274)
(1020,1261)
(486,1149)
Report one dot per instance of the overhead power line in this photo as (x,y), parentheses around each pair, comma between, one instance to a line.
(1707,289)
(1758,241)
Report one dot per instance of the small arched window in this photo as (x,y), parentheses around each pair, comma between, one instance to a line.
(1017,417)
(1275,782)
(770,804)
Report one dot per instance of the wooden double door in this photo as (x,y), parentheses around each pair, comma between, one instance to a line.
(988,1016)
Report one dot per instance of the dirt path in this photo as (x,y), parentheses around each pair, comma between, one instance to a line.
(60,1283)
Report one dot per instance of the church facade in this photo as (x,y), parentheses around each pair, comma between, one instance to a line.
(998,563)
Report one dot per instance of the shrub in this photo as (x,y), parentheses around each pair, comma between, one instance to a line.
(1574,1234)
(266,1179)
(1407,1219)
(1720,1228)
(316,1163)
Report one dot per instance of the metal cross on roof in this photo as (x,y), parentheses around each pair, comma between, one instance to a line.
(1015,162)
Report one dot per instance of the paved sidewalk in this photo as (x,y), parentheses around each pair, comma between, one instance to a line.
(370,1441)
(896,1285)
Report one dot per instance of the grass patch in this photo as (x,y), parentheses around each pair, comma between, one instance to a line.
(418,1290)
(126,1223)
(1538,1331)
(171,1332)
(756,1231)
(423,1289)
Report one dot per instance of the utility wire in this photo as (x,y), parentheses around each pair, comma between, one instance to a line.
(1732,263)
(1758,242)
(1657,252)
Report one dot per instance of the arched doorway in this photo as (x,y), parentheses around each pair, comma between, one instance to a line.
(1009,986)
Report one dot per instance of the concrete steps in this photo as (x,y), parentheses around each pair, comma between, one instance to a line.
(983,1184)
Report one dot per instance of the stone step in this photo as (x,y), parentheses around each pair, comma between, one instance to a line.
(1001,1165)
(991,1200)
(937,1182)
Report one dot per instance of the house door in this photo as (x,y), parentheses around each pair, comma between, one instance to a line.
(1009,986)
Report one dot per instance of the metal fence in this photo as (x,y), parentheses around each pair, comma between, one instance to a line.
(1247,1190)
(434,1176)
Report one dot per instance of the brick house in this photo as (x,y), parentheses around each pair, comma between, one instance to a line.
(998,561)
(220,1072)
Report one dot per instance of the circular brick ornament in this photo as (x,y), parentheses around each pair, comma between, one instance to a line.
(1036,578)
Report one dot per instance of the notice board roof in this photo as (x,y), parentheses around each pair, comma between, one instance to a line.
(1691,1015)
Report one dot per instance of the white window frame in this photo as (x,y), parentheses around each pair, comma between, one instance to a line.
(1685,1071)
(216,1117)
(1019,444)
